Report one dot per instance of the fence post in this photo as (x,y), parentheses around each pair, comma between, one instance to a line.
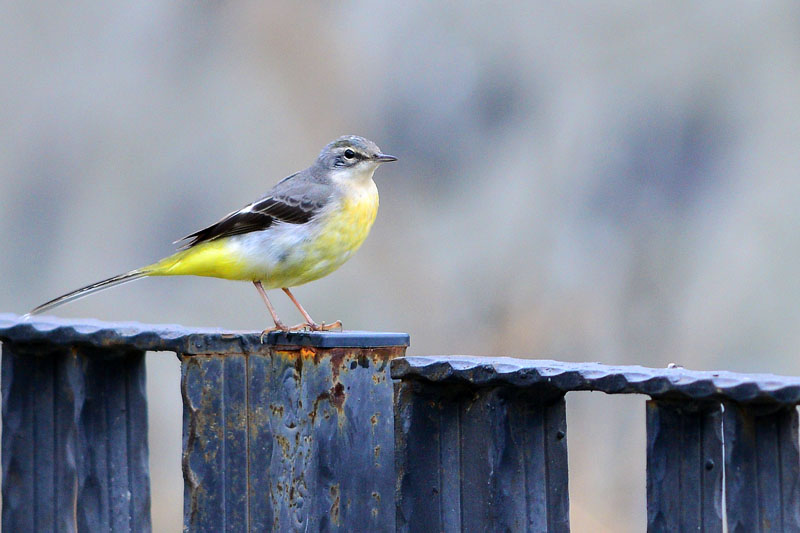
(74,444)
(762,468)
(480,458)
(684,466)
(294,434)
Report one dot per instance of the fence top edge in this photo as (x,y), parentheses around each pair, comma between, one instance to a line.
(176,338)
(659,383)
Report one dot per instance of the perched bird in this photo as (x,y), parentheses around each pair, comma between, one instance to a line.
(304,228)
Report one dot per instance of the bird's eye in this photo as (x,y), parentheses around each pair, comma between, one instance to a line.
(349,154)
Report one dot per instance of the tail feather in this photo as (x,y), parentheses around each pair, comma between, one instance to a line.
(90,289)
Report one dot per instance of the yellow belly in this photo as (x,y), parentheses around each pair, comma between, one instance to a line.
(337,238)
(330,242)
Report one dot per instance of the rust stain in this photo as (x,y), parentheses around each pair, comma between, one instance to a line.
(273,496)
(379,357)
(377,452)
(374,420)
(277,409)
(298,367)
(236,420)
(258,419)
(334,512)
(308,352)
(337,397)
(377,496)
(337,358)
(283,442)
(315,407)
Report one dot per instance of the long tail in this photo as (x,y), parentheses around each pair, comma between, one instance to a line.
(90,289)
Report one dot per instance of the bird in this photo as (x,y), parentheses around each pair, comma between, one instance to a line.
(301,230)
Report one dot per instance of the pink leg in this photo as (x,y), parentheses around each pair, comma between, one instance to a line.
(313,326)
(278,324)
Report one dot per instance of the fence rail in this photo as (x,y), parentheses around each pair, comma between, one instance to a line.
(310,431)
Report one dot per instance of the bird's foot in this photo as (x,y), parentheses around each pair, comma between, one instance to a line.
(310,326)
(298,327)
(279,326)
(324,327)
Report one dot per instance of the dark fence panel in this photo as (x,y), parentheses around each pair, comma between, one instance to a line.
(685,462)
(684,466)
(75,454)
(480,459)
(761,476)
(215,442)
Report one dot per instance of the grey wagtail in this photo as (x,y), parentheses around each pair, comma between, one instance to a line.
(304,228)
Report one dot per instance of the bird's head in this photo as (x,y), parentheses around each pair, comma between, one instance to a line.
(353,155)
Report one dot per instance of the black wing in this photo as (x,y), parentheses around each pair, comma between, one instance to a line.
(293,201)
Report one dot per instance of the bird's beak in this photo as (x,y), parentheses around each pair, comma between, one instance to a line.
(384,158)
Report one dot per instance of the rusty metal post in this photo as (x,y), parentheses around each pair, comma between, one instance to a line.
(296,434)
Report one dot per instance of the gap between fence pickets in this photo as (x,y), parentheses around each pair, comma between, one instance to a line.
(247,438)
(724,505)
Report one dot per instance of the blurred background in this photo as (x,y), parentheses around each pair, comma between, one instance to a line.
(586,181)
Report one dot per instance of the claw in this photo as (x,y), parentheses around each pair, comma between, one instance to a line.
(279,326)
(310,326)
(325,327)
